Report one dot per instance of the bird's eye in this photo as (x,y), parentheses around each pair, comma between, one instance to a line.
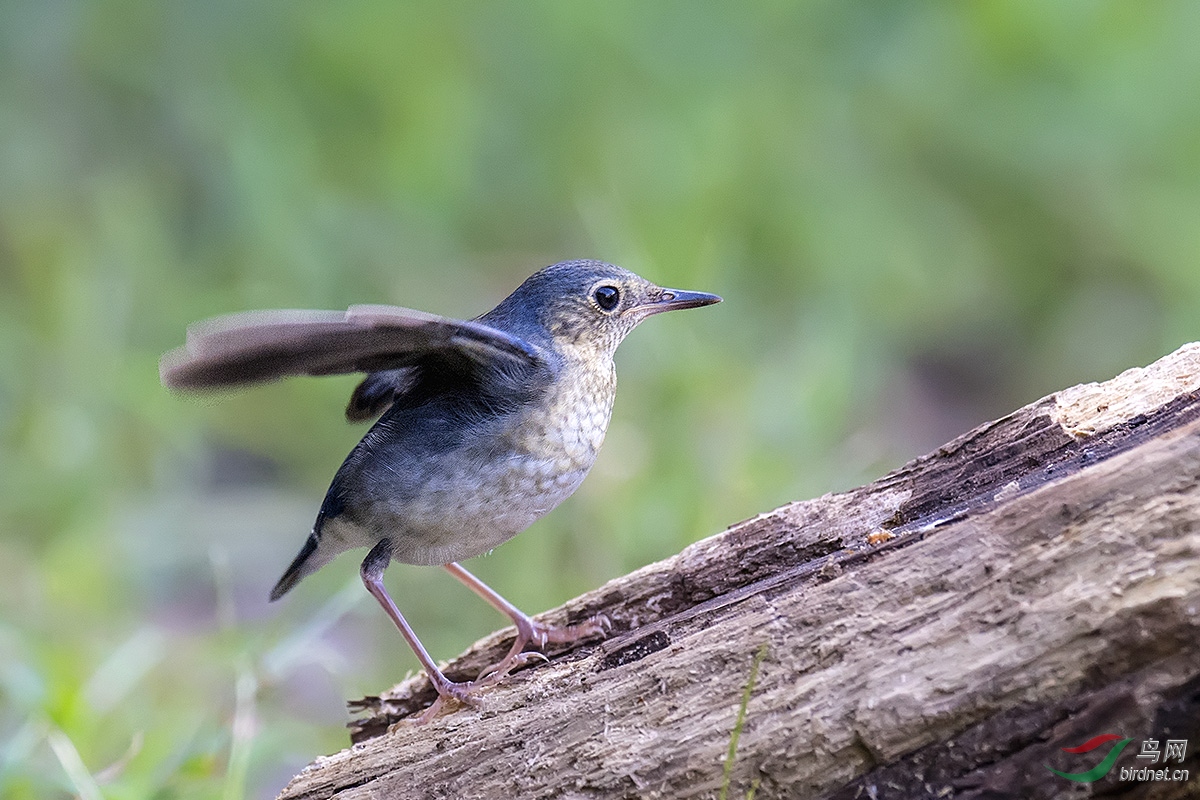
(607,297)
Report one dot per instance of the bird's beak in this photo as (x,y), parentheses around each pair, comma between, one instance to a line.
(673,300)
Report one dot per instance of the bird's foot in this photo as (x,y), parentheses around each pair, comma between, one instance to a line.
(539,634)
(509,664)
(451,693)
(529,631)
(542,634)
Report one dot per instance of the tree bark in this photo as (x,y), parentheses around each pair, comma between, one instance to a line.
(942,632)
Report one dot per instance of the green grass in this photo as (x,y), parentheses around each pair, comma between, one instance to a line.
(736,734)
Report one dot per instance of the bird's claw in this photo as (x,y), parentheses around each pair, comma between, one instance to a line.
(542,634)
(539,634)
(501,670)
(533,632)
(464,693)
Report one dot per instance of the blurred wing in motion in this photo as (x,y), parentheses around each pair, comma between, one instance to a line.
(259,346)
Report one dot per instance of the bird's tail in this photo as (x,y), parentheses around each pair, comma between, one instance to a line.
(302,565)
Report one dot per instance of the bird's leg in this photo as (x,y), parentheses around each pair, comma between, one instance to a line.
(372,575)
(528,629)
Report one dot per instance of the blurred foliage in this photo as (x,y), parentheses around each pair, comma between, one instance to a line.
(921,215)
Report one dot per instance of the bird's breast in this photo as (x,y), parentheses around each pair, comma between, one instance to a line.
(503,478)
(567,427)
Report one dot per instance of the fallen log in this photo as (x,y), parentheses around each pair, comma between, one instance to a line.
(945,631)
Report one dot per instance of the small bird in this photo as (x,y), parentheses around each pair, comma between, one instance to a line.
(484,425)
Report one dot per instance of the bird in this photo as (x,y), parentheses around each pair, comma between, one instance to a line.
(481,426)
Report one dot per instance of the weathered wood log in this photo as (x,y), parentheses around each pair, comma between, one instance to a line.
(942,632)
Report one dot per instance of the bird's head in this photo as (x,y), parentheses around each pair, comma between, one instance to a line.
(586,304)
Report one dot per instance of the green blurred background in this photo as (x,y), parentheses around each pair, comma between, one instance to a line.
(921,215)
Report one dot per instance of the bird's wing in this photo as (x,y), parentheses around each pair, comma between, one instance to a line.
(258,346)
